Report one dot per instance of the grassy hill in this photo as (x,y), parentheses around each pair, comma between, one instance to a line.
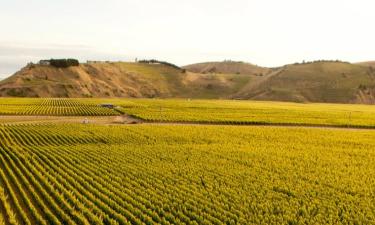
(227,67)
(119,80)
(368,63)
(315,82)
(324,81)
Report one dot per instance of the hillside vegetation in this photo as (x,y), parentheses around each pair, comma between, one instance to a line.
(321,81)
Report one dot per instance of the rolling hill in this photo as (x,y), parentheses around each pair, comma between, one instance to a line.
(326,81)
(227,67)
(368,63)
(321,81)
(119,80)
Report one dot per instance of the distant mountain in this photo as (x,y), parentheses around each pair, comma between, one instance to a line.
(323,81)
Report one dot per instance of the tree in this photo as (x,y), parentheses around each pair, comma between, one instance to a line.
(64,63)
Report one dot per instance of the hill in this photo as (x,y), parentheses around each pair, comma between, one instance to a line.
(368,63)
(227,67)
(119,80)
(321,81)
(336,82)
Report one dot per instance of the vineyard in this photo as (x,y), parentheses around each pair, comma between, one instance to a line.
(152,174)
(52,107)
(250,112)
(199,111)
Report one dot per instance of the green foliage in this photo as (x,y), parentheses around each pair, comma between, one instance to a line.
(64,63)
(200,111)
(149,174)
(321,61)
(250,112)
(52,107)
(6,207)
(16,92)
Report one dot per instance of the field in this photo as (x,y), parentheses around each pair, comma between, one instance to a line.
(251,112)
(170,174)
(51,107)
(176,168)
(201,111)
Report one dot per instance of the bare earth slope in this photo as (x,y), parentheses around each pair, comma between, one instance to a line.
(336,82)
(119,80)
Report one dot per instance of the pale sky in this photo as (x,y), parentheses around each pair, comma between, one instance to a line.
(264,32)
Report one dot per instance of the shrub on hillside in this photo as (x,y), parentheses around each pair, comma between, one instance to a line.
(320,61)
(16,92)
(63,63)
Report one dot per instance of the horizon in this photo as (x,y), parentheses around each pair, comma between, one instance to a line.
(4,76)
(265,33)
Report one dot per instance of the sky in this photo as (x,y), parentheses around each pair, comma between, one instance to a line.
(264,32)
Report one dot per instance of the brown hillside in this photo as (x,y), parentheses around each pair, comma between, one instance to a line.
(309,82)
(315,82)
(368,63)
(227,67)
(118,80)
